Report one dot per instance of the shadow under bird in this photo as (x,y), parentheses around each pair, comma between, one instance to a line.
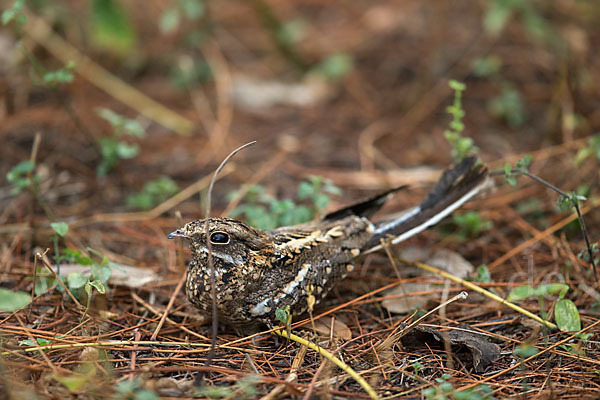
(257,272)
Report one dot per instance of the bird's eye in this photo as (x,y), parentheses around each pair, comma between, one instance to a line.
(219,238)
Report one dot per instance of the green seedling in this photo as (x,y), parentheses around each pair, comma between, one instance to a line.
(265,212)
(566,314)
(114,148)
(153,193)
(461,146)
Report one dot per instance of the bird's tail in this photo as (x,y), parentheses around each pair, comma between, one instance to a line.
(455,187)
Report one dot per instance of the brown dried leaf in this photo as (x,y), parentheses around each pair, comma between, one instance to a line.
(405,302)
(124,275)
(483,353)
(323,326)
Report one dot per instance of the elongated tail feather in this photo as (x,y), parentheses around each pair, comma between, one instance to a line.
(455,187)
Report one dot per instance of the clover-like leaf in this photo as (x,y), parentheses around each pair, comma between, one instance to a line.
(567,316)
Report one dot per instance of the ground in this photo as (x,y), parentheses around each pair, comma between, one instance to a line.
(355,92)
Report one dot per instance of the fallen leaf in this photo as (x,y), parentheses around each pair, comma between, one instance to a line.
(11,301)
(323,325)
(483,353)
(405,300)
(255,94)
(444,259)
(122,275)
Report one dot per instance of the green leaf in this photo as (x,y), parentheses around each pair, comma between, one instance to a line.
(126,151)
(17,176)
(72,382)
(61,228)
(483,274)
(133,128)
(99,286)
(36,342)
(520,293)
(88,289)
(192,9)
(109,115)
(305,190)
(283,314)
(524,162)
(525,351)
(567,316)
(509,106)
(13,12)
(11,301)
(101,272)
(144,394)
(76,280)
(496,16)
(169,20)
(336,66)
(551,289)
(321,201)
(457,86)
(292,32)
(111,29)
(486,66)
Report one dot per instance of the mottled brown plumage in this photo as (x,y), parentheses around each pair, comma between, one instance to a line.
(258,271)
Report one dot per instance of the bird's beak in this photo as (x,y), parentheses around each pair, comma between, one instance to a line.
(177,233)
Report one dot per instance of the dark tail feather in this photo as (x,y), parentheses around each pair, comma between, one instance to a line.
(365,208)
(455,187)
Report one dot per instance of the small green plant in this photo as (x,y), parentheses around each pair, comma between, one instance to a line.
(508,106)
(244,388)
(133,390)
(22,176)
(417,367)
(566,203)
(488,66)
(461,146)
(36,342)
(14,13)
(525,351)
(335,66)
(591,150)
(284,316)
(53,79)
(191,10)
(445,391)
(521,168)
(584,254)
(100,273)
(12,301)
(153,193)
(110,27)
(499,13)
(60,230)
(566,314)
(441,391)
(482,274)
(113,148)
(293,31)
(470,224)
(265,212)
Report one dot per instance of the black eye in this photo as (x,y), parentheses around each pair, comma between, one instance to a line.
(219,238)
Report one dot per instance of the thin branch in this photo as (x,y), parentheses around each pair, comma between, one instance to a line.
(213,292)
(574,204)
(342,365)
(478,289)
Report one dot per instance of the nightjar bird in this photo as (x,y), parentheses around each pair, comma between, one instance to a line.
(257,272)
